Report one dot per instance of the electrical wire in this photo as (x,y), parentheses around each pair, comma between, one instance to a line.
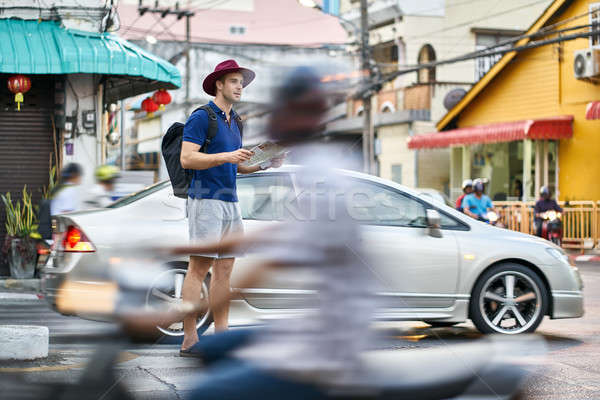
(528,46)
(470,22)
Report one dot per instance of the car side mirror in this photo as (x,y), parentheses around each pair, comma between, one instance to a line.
(434,223)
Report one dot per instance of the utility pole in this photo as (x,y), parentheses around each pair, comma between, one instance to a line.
(188,71)
(368,134)
(188,38)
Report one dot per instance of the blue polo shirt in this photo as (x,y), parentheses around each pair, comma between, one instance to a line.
(478,206)
(216,182)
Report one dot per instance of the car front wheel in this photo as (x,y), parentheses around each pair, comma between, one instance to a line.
(508,298)
(167,289)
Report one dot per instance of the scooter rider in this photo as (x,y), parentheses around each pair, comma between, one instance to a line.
(100,195)
(467,188)
(545,203)
(477,204)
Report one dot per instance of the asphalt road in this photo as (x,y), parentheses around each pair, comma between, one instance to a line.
(571,369)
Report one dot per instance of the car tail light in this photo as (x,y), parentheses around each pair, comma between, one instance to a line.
(75,241)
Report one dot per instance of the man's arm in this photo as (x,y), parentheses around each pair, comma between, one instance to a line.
(466,209)
(557,207)
(248,170)
(470,214)
(274,163)
(537,210)
(490,205)
(192,158)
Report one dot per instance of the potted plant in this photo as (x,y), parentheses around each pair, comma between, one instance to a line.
(21,235)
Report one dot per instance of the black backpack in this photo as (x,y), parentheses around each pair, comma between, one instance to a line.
(45,219)
(44,215)
(171,150)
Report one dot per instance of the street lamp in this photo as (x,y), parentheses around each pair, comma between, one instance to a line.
(368,135)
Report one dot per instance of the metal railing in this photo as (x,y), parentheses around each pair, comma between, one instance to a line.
(581,221)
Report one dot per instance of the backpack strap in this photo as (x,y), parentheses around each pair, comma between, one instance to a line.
(240,124)
(213,126)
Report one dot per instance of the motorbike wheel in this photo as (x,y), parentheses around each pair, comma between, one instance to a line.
(556,240)
(508,298)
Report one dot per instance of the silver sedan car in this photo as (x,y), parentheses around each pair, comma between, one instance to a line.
(434,264)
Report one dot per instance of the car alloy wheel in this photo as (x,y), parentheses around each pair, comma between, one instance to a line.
(167,288)
(509,299)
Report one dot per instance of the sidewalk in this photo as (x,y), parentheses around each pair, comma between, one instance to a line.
(8,284)
(589,256)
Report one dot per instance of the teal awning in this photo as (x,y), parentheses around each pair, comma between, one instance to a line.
(45,47)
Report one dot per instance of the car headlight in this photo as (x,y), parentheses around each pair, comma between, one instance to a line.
(559,255)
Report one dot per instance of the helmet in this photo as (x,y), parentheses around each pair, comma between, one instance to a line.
(71,171)
(467,183)
(478,185)
(107,173)
(544,191)
(301,107)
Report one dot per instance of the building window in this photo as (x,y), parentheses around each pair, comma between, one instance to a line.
(386,56)
(482,42)
(237,30)
(397,173)
(426,55)
(595,24)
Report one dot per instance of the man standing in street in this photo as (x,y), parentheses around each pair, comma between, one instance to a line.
(212,207)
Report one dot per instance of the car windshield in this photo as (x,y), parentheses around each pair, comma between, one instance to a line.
(123,201)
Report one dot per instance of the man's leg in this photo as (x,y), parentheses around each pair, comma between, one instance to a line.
(219,289)
(192,292)
(239,380)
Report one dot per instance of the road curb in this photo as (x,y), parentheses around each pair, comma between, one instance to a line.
(23,342)
(586,258)
(11,296)
(20,285)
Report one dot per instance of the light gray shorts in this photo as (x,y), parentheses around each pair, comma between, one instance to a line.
(211,220)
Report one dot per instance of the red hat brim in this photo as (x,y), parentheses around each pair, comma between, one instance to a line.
(209,82)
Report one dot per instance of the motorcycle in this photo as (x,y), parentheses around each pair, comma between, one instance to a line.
(552,229)
(492,218)
(490,368)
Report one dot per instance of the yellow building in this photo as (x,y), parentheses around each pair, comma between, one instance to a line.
(525,120)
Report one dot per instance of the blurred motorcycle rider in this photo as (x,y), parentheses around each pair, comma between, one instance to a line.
(100,195)
(301,356)
(467,188)
(545,203)
(477,204)
(65,195)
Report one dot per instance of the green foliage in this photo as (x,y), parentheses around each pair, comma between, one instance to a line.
(21,216)
(52,182)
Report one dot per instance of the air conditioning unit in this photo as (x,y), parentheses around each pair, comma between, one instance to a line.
(587,63)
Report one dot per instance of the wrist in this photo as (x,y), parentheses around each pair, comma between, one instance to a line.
(221,158)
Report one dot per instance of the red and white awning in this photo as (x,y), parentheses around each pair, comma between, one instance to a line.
(536,129)
(593,110)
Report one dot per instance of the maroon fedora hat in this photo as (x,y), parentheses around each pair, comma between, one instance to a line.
(223,68)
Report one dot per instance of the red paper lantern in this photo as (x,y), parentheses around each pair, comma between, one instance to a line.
(149,106)
(18,85)
(162,98)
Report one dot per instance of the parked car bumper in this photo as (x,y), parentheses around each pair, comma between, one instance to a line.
(567,304)
(50,285)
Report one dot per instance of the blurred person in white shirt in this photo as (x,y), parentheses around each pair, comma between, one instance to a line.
(65,197)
